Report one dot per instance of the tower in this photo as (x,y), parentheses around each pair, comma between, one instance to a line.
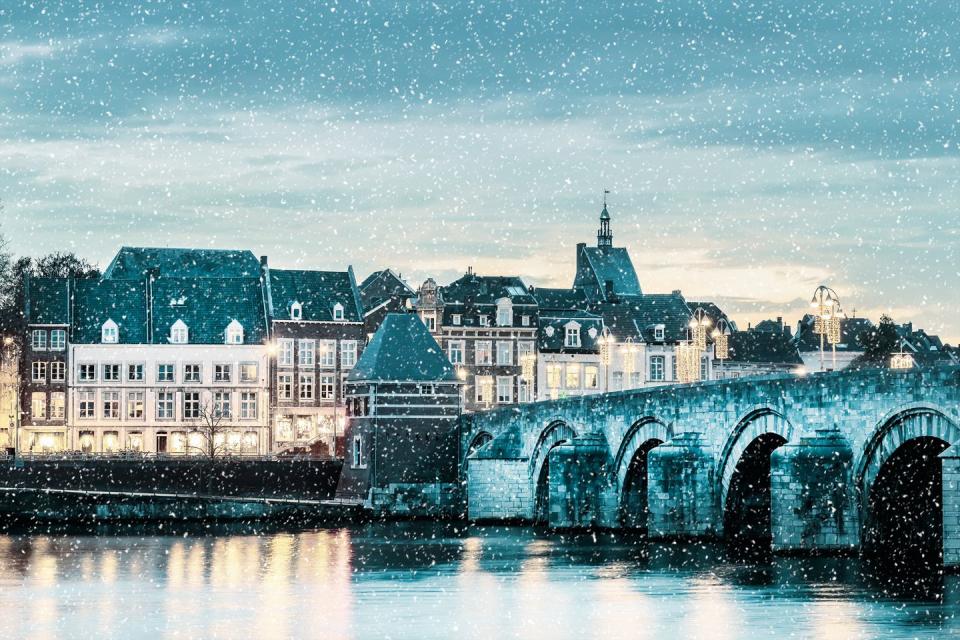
(604,235)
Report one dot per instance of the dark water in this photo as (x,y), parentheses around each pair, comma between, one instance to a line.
(417,580)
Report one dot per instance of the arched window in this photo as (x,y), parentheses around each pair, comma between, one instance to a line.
(179,333)
(296,311)
(109,333)
(338,311)
(234,333)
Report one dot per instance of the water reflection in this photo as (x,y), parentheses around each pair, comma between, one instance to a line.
(432,581)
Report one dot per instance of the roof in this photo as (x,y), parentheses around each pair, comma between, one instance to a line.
(850,331)
(99,300)
(316,291)
(636,317)
(712,311)
(552,334)
(471,289)
(559,299)
(134,263)
(607,264)
(207,306)
(403,350)
(763,347)
(48,301)
(381,286)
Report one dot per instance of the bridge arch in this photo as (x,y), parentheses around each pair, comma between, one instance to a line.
(480,439)
(630,467)
(555,433)
(756,423)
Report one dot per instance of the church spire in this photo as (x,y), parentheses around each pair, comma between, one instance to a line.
(605,235)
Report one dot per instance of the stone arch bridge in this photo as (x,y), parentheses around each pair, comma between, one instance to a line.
(813,462)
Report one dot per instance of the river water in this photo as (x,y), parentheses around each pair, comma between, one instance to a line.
(427,580)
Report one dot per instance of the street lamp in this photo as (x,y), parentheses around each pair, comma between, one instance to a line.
(721,341)
(826,303)
(901,360)
(606,356)
(699,323)
(629,361)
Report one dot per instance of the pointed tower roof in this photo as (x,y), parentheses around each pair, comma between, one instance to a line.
(402,350)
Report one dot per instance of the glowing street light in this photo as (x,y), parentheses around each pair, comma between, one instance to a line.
(699,323)
(826,304)
(721,341)
(607,342)
(902,360)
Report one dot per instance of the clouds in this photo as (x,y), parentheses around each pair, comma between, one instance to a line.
(754,150)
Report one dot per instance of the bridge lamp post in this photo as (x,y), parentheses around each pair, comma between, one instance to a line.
(629,361)
(721,341)
(826,302)
(606,356)
(699,323)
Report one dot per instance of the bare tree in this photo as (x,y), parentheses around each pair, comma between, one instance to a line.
(208,436)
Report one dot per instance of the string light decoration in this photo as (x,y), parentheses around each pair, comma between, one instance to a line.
(721,341)
(528,364)
(833,333)
(606,348)
(629,359)
(688,362)
(827,321)
(699,323)
(902,360)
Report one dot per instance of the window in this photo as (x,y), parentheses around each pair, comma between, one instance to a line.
(426,389)
(456,319)
(58,405)
(572,338)
(135,405)
(484,389)
(111,441)
(306,386)
(87,372)
(221,404)
(357,451)
(111,405)
(38,405)
(504,314)
(326,387)
(673,367)
(39,372)
(234,333)
(504,352)
(483,355)
(617,382)
(111,373)
(222,372)
(58,340)
(248,372)
(109,333)
(307,351)
(285,352)
(165,400)
(248,405)
(284,429)
(484,321)
(554,371)
(504,389)
(191,373)
(658,332)
(191,405)
(135,372)
(590,377)
(165,373)
(656,368)
(285,386)
(455,351)
(296,311)
(179,333)
(38,340)
(328,353)
(338,311)
(135,441)
(58,371)
(635,379)
(703,368)
(430,322)
(304,427)
(525,392)
(524,349)
(88,405)
(573,376)
(348,353)
(525,321)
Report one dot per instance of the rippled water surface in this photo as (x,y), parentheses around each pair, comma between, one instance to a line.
(417,580)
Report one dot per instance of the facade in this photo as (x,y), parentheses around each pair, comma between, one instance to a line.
(487,326)
(404,404)
(381,293)
(568,346)
(757,352)
(317,324)
(9,392)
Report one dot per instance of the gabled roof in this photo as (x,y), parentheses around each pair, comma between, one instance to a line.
(551,336)
(207,306)
(600,265)
(713,312)
(317,291)
(850,331)
(473,289)
(383,285)
(48,301)
(97,300)
(134,263)
(636,317)
(559,299)
(763,347)
(403,350)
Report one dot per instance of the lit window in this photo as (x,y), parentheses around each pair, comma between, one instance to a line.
(109,333)
(327,353)
(284,429)
(296,311)
(248,371)
(554,371)
(58,340)
(504,314)
(179,333)
(484,389)
(285,352)
(338,311)
(483,352)
(58,404)
(234,333)
(504,389)
(248,405)
(573,376)
(38,405)
(590,377)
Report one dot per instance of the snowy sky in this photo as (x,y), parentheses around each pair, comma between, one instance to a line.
(753,149)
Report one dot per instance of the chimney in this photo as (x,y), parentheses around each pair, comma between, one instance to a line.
(469,271)
(581,246)
(676,292)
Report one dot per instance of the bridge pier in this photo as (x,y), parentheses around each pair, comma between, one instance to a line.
(950,466)
(580,492)
(680,493)
(811,506)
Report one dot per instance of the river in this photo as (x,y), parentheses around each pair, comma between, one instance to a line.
(428,580)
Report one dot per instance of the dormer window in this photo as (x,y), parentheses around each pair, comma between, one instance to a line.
(234,333)
(658,332)
(179,334)
(572,335)
(504,313)
(338,311)
(296,311)
(109,333)
(484,321)
(456,319)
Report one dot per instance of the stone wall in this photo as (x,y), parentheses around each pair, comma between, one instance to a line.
(499,490)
